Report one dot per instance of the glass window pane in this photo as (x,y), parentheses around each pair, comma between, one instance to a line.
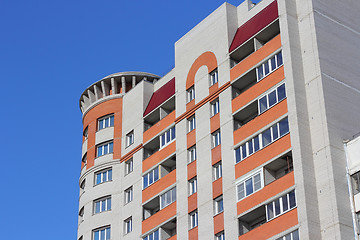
(103,205)
(97,235)
(168,136)
(292,199)
(277,207)
(103,234)
(260,73)
(111,147)
(163,140)
(104,176)
(270,211)
(243,150)
(172,133)
(97,207)
(288,237)
(145,181)
(98,178)
(263,104)
(110,175)
(257,182)
(272,98)
(284,127)
(250,146)
(99,151)
(173,196)
(156,174)
(275,132)
(105,149)
(266,137)
(101,123)
(273,63)
(241,191)
(281,92)
(266,68)
(285,203)
(112,121)
(151,236)
(256,144)
(279,59)
(151,180)
(156,235)
(296,235)
(108,204)
(249,186)
(237,155)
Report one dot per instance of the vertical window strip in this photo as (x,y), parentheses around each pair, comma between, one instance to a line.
(262,140)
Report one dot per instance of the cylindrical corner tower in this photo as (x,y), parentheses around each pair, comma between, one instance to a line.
(101,180)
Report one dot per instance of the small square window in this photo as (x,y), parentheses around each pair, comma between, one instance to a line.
(128,195)
(191,124)
(192,154)
(218,205)
(128,225)
(213,77)
(192,186)
(215,107)
(129,138)
(190,93)
(216,139)
(129,165)
(217,171)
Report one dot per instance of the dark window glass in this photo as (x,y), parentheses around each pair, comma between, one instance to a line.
(270,211)
(256,143)
(277,207)
(272,98)
(296,235)
(284,127)
(237,155)
(281,92)
(156,174)
(266,137)
(263,104)
(243,150)
(250,147)
(249,186)
(260,72)
(275,132)
(292,199)
(266,68)
(279,59)
(285,203)
(273,63)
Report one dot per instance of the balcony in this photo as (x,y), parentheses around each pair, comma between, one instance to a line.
(246,115)
(158,217)
(159,186)
(158,156)
(159,114)
(254,43)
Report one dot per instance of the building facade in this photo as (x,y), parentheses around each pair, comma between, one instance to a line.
(243,139)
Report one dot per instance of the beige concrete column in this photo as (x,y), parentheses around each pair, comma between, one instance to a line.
(133,81)
(123,84)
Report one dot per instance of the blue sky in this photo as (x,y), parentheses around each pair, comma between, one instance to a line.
(50,52)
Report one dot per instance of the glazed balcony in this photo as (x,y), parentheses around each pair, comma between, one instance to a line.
(158,186)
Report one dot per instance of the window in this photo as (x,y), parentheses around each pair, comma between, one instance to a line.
(81,215)
(105,148)
(192,186)
(218,205)
(249,185)
(269,66)
(168,198)
(192,154)
(220,236)
(280,205)
(85,133)
(128,195)
(215,107)
(102,234)
(191,124)
(262,140)
(190,93)
(153,236)
(82,185)
(84,159)
(129,138)
(105,122)
(128,225)
(103,176)
(167,137)
(129,164)
(217,171)
(193,219)
(272,98)
(291,236)
(213,77)
(216,139)
(355,181)
(102,205)
(150,177)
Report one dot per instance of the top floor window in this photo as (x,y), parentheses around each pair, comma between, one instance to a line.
(105,122)
(269,66)
(167,137)
(213,77)
(190,94)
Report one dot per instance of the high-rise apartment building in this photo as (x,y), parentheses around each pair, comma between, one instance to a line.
(243,139)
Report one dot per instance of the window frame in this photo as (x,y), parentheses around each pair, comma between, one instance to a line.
(291,235)
(108,172)
(170,193)
(217,171)
(281,206)
(148,174)
(267,97)
(106,121)
(245,179)
(194,219)
(128,225)
(190,94)
(216,138)
(109,148)
(129,166)
(218,202)
(168,134)
(278,64)
(215,107)
(220,236)
(191,123)
(107,230)
(147,237)
(214,77)
(128,195)
(192,186)
(130,138)
(192,155)
(106,201)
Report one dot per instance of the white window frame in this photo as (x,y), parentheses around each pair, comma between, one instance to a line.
(153,235)
(151,175)
(105,122)
(220,236)
(130,137)
(105,176)
(191,123)
(107,233)
(267,98)
(128,225)
(128,195)
(216,138)
(194,219)
(291,235)
(102,202)
(215,107)
(129,166)
(242,181)
(269,63)
(217,169)
(214,77)
(167,198)
(218,203)
(192,154)
(169,137)
(281,206)
(192,186)
(249,147)
(104,149)
(190,94)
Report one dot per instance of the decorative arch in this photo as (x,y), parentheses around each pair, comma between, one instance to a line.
(206,59)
